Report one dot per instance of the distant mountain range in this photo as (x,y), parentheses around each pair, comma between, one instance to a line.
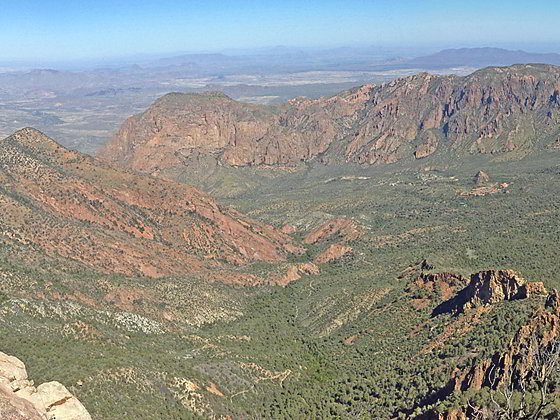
(481,57)
(71,106)
(356,59)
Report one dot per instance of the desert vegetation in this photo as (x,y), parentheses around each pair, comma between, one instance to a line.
(358,339)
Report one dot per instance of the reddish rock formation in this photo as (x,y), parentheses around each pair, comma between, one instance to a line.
(487,190)
(295,272)
(545,326)
(535,288)
(289,229)
(494,110)
(444,283)
(213,389)
(489,287)
(333,252)
(347,229)
(541,330)
(493,286)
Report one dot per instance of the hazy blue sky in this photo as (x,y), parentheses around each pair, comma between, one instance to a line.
(76,29)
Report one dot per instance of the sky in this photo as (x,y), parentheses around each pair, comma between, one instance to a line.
(84,29)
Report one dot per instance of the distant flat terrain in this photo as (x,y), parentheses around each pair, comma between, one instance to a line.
(83,109)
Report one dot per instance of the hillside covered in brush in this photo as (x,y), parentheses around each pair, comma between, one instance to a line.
(369,291)
(60,204)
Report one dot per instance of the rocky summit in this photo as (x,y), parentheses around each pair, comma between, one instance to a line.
(502,110)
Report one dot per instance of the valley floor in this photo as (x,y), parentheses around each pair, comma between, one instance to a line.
(358,340)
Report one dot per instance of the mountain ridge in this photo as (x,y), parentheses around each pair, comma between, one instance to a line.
(494,110)
(70,205)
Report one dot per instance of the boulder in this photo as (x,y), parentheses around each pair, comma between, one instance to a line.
(20,400)
(12,368)
(13,407)
(59,403)
(481,178)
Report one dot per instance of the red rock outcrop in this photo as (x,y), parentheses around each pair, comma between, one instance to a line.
(494,110)
(332,253)
(445,284)
(492,286)
(344,228)
(545,326)
(295,272)
(289,229)
(489,287)
(534,288)
(541,330)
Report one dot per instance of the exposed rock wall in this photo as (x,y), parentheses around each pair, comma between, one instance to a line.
(346,229)
(20,400)
(495,110)
(332,253)
(509,364)
(489,287)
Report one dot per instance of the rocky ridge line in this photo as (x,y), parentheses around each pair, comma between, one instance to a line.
(494,110)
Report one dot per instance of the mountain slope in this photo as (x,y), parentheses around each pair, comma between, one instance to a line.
(64,204)
(362,338)
(494,110)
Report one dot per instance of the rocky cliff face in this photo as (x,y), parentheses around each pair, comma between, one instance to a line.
(68,205)
(489,287)
(495,110)
(20,400)
(508,365)
(510,360)
(513,362)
